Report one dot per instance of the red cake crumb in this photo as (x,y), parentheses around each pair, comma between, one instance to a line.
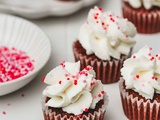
(14,64)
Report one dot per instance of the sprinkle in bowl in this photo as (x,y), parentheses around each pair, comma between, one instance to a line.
(24,42)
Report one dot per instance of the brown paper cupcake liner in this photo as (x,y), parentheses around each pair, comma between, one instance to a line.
(97,115)
(106,71)
(146,21)
(136,108)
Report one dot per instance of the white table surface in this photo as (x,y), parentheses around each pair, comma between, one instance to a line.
(62,31)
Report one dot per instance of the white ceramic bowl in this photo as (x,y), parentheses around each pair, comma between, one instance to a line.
(43,8)
(23,35)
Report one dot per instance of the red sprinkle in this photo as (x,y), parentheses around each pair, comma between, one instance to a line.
(137,76)
(60,82)
(156,55)
(22,95)
(102,92)
(152,58)
(86,74)
(75,82)
(86,110)
(43,78)
(14,63)
(95,17)
(100,9)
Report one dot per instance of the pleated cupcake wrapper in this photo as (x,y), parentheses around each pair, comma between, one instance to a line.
(106,71)
(136,109)
(98,115)
(145,21)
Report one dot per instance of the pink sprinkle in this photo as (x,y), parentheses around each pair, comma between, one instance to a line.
(90,87)
(150,48)
(46,88)
(149,54)
(66,75)
(8,104)
(134,56)
(3,112)
(99,95)
(84,81)
(94,97)
(14,64)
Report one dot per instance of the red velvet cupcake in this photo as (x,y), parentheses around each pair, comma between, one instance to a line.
(73,94)
(145,14)
(140,86)
(104,42)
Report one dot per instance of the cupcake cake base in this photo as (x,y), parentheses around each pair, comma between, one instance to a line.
(107,71)
(146,21)
(136,107)
(98,113)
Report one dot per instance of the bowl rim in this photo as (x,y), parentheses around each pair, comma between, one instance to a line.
(48,11)
(34,71)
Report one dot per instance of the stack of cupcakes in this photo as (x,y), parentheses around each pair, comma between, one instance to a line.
(105,40)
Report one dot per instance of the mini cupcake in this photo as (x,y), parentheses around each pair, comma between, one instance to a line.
(73,94)
(140,86)
(104,42)
(145,14)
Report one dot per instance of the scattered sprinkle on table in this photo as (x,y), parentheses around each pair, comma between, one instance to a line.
(3,112)
(14,63)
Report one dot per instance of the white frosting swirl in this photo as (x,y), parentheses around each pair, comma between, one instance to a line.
(106,35)
(72,90)
(148,4)
(141,73)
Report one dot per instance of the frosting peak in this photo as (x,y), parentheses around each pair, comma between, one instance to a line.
(148,4)
(71,89)
(141,73)
(106,35)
